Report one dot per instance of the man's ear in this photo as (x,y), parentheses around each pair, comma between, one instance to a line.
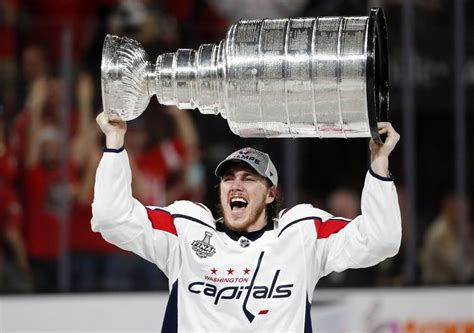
(271,195)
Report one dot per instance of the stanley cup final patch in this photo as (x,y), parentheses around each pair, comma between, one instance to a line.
(203,248)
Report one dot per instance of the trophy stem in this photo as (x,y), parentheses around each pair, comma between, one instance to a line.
(151,80)
(190,79)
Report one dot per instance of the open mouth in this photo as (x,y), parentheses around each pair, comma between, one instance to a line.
(238,204)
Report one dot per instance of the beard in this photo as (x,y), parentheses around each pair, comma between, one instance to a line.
(253,214)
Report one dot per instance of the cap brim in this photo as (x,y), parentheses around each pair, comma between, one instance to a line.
(224,165)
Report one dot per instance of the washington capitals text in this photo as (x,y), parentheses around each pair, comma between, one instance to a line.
(235,292)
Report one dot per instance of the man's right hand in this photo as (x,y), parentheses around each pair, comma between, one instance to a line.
(114,131)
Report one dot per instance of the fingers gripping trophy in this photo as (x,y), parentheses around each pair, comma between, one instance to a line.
(324,77)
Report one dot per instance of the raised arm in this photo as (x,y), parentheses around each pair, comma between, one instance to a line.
(189,184)
(376,233)
(120,218)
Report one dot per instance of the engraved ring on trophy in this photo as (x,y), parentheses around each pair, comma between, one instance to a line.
(324,77)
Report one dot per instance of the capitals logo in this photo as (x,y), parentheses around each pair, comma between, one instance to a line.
(247,292)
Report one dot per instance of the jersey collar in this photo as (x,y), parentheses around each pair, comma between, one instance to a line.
(234,235)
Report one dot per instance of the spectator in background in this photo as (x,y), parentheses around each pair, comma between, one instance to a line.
(344,202)
(170,169)
(34,64)
(47,192)
(89,251)
(440,258)
(34,69)
(15,271)
(44,91)
(96,264)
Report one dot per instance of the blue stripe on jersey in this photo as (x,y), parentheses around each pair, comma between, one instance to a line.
(170,322)
(190,218)
(300,220)
(308,327)
(390,177)
(112,150)
(247,313)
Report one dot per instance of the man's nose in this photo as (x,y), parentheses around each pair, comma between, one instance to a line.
(236,184)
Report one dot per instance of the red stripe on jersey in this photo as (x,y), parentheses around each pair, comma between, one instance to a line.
(329,227)
(262,312)
(162,220)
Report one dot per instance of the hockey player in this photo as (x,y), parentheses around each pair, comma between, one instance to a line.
(253,269)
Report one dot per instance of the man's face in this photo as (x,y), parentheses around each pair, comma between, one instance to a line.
(33,62)
(244,195)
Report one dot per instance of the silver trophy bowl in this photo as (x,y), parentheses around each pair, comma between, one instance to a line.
(324,77)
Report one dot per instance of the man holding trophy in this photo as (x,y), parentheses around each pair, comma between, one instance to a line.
(255,268)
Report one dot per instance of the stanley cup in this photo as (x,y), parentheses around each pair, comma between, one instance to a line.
(323,77)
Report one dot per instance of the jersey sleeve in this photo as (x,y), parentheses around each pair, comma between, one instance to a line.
(368,239)
(122,220)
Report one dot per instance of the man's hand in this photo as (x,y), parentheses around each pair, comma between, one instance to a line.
(380,152)
(114,131)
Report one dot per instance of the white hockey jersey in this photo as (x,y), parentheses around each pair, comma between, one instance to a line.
(261,281)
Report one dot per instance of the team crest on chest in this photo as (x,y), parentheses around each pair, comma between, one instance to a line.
(204,248)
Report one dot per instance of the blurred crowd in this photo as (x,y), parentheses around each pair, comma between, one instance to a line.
(50,146)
